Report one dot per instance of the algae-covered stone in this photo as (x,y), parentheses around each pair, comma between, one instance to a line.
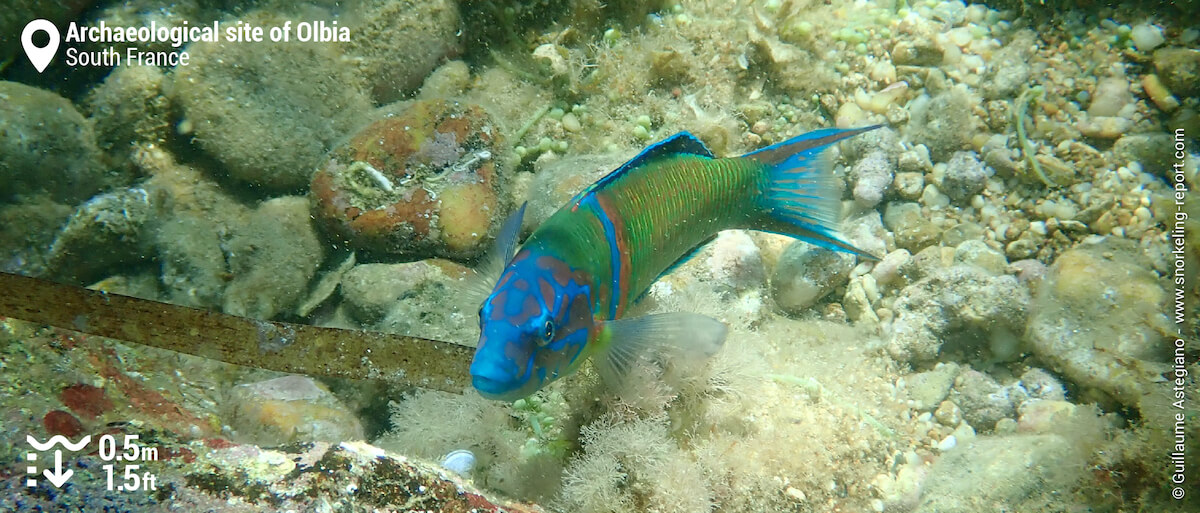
(916,54)
(735,262)
(272,258)
(1112,95)
(397,43)
(1008,70)
(913,230)
(130,107)
(105,231)
(447,81)
(1179,69)
(959,306)
(268,111)
(887,270)
(965,176)
(961,233)
(982,399)
(1152,150)
(928,389)
(372,290)
(871,177)
(193,263)
(1039,384)
(1099,321)
(909,184)
(807,273)
(979,254)
(945,122)
(26,231)
(866,232)
(47,146)
(430,302)
(288,410)
(1011,473)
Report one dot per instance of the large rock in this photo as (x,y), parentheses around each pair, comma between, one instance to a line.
(268,111)
(963,305)
(46,146)
(291,409)
(1012,473)
(424,181)
(1099,321)
(272,257)
(397,43)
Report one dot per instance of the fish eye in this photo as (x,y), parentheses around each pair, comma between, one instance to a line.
(548,332)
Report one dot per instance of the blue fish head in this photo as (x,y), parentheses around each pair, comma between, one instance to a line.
(532,328)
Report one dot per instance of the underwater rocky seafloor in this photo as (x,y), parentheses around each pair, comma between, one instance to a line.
(1013,350)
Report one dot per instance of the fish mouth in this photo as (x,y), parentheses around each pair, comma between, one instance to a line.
(496,390)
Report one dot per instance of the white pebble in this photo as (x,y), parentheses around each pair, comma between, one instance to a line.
(1147,37)
(871,288)
(1143,213)
(570,122)
(460,462)
(947,443)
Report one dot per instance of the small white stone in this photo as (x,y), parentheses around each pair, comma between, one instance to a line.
(947,443)
(570,123)
(460,462)
(796,493)
(1147,37)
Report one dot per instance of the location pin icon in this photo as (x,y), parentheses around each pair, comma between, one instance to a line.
(40,57)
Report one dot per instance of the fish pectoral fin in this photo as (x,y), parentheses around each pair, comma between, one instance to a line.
(688,333)
(505,245)
(480,283)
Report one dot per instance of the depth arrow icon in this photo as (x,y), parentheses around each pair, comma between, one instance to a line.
(58,477)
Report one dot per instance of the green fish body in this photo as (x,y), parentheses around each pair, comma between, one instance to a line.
(563,296)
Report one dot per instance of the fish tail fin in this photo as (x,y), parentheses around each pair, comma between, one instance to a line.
(802,198)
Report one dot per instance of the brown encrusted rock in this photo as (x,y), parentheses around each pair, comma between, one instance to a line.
(424,182)
(291,409)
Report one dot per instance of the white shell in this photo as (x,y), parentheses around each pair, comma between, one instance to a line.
(460,462)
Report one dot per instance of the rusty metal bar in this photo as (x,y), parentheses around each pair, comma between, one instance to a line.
(279,346)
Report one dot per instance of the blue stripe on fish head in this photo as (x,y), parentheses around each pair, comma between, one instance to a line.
(533,327)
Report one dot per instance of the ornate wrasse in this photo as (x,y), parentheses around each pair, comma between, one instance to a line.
(561,298)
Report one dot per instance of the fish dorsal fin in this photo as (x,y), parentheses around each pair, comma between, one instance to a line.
(680,143)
